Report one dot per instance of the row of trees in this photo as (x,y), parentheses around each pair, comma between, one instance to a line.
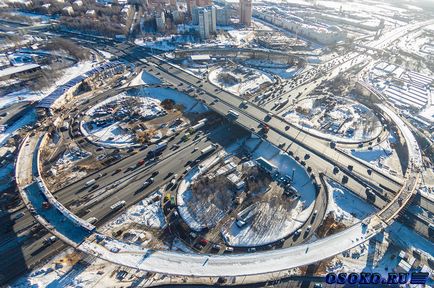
(70,47)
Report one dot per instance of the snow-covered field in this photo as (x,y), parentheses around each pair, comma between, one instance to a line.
(144,78)
(277,227)
(337,118)
(111,133)
(200,218)
(69,157)
(115,133)
(381,155)
(347,208)
(240,80)
(29,118)
(147,212)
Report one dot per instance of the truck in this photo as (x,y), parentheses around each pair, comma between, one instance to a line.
(158,148)
(208,149)
(118,205)
(283,102)
(199,124)
(233,114)
(50,240)
(90,182)
(92,220)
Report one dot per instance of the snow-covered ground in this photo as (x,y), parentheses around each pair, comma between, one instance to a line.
(27,119)
(105,54)
(195,219)
(190,104)
(337,118)
(69,157)
(148,212)
(282,225)
(144,78)
(347,208)
(240,80)
(381,155)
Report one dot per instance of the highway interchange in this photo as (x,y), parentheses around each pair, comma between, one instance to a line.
(323,158)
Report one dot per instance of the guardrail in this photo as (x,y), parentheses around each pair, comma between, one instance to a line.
(50,198)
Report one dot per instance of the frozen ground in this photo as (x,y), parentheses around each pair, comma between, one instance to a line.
(144,78)
(278,226)
(336,118)
(27,119)
(347,208)
(190,104)
(381,155)
(147,212)
(240,80)
(69,157)
(111,132)
(202,215)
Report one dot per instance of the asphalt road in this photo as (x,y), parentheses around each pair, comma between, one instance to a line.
(19,250)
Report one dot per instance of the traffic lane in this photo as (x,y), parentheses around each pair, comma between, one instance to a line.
(360,168)
(141,175)
(170,166)
(127,166)
(68,193)
(38,248)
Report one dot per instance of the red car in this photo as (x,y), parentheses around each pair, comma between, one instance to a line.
(202,241)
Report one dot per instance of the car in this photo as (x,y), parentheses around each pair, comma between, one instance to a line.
(202,241)
(118,170)
(148,182)
(94,187)
(198,246)
(229,249)
(308,228)
(216,247)
(155,173)
(251,250)
(335,170)
(18,216)
(315,212)
(50,240)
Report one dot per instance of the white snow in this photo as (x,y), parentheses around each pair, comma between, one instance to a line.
(345,205)
(27,119)
(144,78)
(190,104)
(243,80)
(147,212)
(299,214)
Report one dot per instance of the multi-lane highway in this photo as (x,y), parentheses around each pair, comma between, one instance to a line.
(294,140)
(26,250)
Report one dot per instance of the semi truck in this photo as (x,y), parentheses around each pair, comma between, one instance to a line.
(158,148)
(90,182)
(118,205)
(208,149)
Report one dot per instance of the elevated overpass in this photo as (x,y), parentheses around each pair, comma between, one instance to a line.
(297,141)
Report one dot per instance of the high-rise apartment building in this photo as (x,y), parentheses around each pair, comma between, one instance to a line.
(246,12)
